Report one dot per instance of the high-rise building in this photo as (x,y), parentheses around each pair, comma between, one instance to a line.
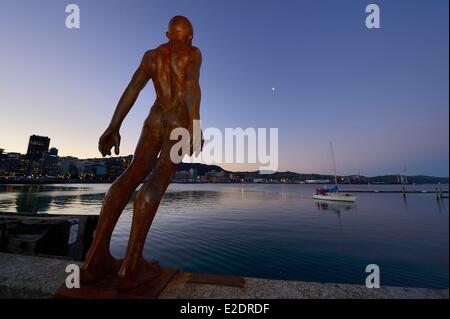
(51,163)
(9,163)
(37,146)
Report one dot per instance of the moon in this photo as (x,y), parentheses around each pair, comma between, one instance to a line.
(273,89)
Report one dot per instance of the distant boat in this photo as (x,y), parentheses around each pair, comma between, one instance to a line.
(331,193)
(324,194)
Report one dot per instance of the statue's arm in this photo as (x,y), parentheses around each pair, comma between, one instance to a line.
(193,100)
(193,86)
(131,93)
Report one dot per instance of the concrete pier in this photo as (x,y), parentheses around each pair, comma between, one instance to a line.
(40,277)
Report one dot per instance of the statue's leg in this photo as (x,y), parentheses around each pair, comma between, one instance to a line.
(135,270)
(99,260)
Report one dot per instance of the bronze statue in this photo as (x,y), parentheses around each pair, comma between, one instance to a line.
(174,68)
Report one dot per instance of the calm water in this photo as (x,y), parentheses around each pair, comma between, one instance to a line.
(274,231)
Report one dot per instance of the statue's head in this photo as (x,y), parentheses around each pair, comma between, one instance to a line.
(180,30)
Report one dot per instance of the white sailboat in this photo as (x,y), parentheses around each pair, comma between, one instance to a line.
(331,193)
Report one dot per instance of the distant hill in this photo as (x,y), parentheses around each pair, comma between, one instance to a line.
(418,179)
(384,179)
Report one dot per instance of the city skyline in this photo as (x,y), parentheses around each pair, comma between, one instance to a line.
(312,69)
(43,150)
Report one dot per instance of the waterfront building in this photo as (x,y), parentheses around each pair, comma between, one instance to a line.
(37,146)
(9,164)
(53,151)
(317,181)
(68,165)
(51,163)
(193,174)
(181,177)
(217,177)
(116,166)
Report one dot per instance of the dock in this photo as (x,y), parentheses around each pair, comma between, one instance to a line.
(394,191)
(60,235)
(35,277)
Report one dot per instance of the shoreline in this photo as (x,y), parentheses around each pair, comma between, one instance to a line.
(3,182)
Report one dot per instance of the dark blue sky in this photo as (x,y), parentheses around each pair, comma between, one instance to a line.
(380,95)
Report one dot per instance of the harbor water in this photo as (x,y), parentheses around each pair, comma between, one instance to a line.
(274,231)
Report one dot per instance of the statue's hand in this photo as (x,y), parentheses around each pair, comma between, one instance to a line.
(197,144)
(109,139)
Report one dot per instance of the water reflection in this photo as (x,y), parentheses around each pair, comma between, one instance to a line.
(335,207)
(29,203)
(36,188)
(192,196)
(275,231)
(39,198)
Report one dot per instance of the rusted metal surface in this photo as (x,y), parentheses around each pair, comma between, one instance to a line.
(174,69)
(104,289)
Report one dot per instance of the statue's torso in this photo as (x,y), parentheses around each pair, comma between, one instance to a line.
(169,68)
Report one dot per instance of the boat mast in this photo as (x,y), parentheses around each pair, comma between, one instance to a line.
(334,163)
(403,180)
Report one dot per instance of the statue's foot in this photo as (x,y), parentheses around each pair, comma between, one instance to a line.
(95,269)
(146,272)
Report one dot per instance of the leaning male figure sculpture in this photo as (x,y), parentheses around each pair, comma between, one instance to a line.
(174,68)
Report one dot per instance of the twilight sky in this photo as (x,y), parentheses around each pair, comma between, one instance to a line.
(380,95)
